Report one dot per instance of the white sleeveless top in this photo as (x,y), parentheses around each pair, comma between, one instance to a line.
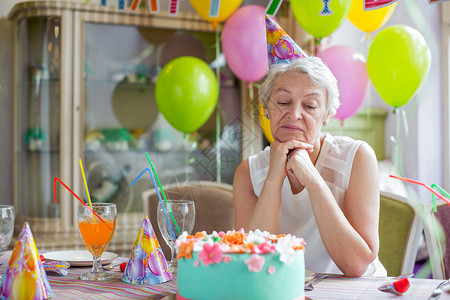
(334,165)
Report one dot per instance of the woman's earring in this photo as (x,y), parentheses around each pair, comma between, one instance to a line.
(267,116)
(325,123)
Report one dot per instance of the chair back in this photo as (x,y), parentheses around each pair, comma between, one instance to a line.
(400,229)
(438,248)
(214,209)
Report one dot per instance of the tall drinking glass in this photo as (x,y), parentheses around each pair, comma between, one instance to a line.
(184,214)
(96,234)
(7,216)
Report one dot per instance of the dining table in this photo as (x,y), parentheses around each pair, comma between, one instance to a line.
(332,287)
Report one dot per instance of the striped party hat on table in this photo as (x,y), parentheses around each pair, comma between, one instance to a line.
(281,47)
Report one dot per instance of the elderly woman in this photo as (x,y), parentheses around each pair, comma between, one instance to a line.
(309,183)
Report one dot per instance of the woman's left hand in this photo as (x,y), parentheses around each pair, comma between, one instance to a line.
(301,167)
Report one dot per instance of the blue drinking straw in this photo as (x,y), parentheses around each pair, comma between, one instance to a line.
(159,197)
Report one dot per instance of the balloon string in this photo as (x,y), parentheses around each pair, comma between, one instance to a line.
(252,116)
(396,151)
(218,150)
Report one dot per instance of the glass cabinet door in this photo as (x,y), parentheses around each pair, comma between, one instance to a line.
(37,116)
(122,120)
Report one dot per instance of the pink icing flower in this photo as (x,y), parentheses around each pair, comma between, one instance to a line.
(271,270)
(264,248)
(221,233)
(255,263)
(196,263)
(210,254)
(226,259)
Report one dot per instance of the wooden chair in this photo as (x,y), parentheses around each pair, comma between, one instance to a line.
(214,209)
(400,229)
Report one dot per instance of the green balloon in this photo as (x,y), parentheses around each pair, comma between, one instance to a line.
(397,63)
(309,14)
(186,93)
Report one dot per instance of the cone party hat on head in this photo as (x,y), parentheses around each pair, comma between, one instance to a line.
(147,264)
(25,277)
(281,47)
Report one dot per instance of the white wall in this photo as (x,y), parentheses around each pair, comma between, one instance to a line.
(422,150)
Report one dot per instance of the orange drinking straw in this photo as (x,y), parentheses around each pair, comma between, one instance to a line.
(422,184)
(76,196)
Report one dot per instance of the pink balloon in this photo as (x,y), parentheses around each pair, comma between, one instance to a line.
(349,67)
(244,43)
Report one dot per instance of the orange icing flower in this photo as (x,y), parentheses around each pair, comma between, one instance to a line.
(299,247)
(185,250)
(233,238)
(199,235)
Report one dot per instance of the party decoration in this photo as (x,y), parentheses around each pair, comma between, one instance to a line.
(377,4)
(349,68)
(186,93)
(134,4)
(147,264)
(280,47)
(398,62)
(24,277)
(173,7)
(153,6)
(369,20)
(326,10)
(265,125)
(244,43)
(307,14)
(225,9)
(273,7)
(214,8)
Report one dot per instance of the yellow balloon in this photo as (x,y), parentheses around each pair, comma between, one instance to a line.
(226,8)
(369,20)
(265,124)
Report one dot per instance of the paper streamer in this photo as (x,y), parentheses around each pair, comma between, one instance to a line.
(375,4)
(173,7)
(121,4)
(214,8)
(436,1)
(273,7)
(103,3)
(135,4)
(153,6)
(326,11)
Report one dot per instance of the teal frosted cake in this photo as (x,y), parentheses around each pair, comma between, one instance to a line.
(236,265)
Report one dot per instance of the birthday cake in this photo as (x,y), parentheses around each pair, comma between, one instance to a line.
(236,265)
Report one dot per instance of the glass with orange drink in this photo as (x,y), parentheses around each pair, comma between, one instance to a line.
(97,224)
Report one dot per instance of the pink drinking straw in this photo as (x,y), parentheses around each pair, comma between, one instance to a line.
(422,184)
(76,196)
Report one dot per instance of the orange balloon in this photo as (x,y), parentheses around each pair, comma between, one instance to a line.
(369,20)
(23,287)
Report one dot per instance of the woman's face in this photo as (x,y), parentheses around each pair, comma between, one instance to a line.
(297,108)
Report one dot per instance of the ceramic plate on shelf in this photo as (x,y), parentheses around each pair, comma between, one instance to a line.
(309,275)
(79,258)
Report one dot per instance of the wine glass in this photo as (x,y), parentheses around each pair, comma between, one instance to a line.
(7,216)
(184,213)
(97,224)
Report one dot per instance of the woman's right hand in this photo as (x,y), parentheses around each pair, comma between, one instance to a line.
(279,156)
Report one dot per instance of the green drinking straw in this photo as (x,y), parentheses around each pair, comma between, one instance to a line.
(162,191)
(444,192)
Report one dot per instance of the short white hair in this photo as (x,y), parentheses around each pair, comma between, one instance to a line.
(319,73)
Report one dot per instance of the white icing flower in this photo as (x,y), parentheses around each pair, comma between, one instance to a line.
(284,247)
(181,239)
(255,237)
